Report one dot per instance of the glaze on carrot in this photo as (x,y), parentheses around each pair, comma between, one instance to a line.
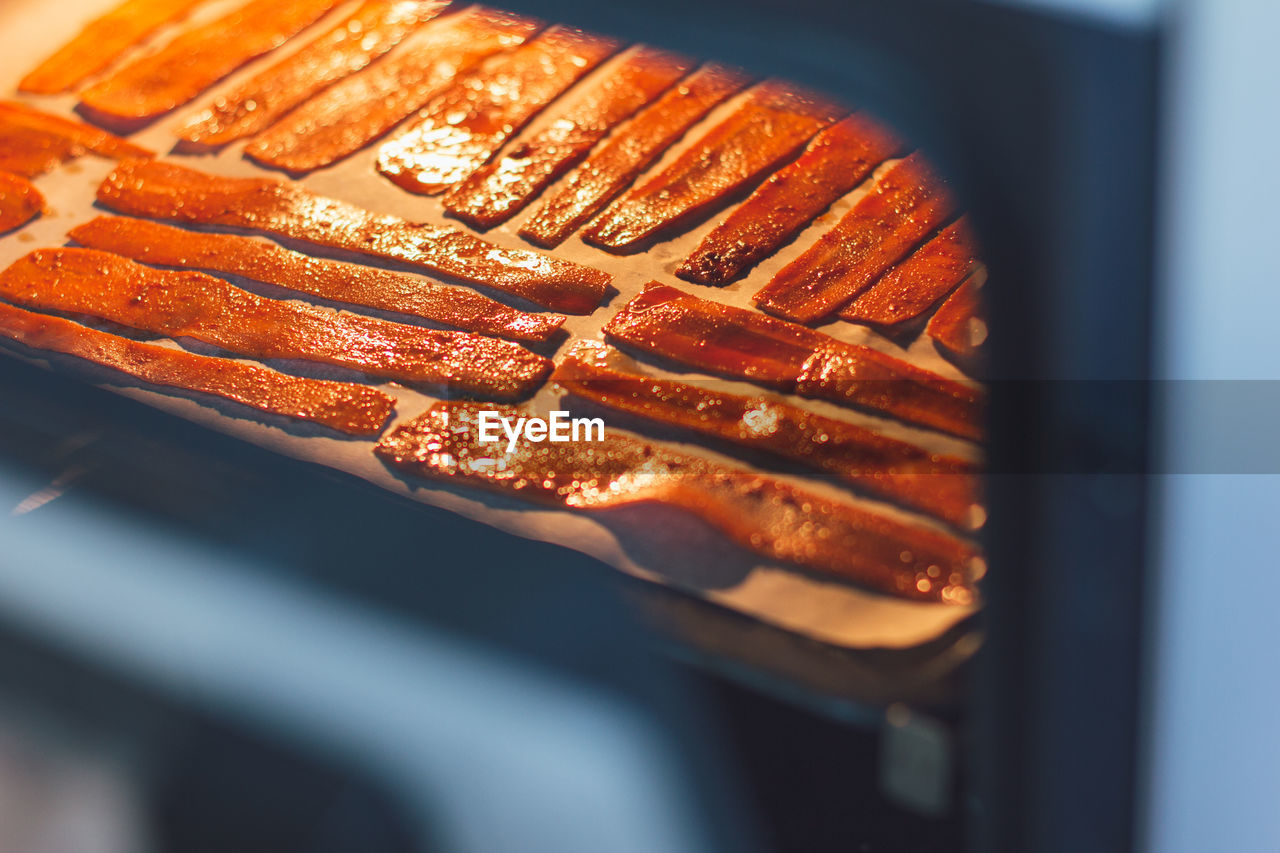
(354,42)
(746,344)
(627,153)
(762,514)
(102,42)
(942,486)
(464,126)
(959,325)
(770,126)
(154,84)
(167,191)
(930,273)
(836,161)
(20,201)
(33,142)
(354,112)
(354,284)
(343,406)
(499,190)
(906,205)
(207,309)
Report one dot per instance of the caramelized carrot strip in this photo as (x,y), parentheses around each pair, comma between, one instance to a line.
(834,163)
(20,201)
(466,124)
(959,325)
(28,152)
(369,32)
(766,131)
(165,191)
(159,82)
(907,290)
(102,42)
(907,203)
(942,486)
(496,192)
(745,344)
(33,142)
(349,115)
(759,513)
(153,243)
(208,309)
(627,153)
(353,409)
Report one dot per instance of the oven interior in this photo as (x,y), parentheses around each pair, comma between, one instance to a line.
(996,737)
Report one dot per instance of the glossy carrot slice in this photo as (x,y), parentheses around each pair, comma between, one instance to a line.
(33,142)
(210,310)
(745,344)
(153,243)
(907,290)
(165,191)
(369,32)
(624,155)
(20,201)
(466,124)
(761,514)
(906,205)
(349,115)
(102,42)
(154,84)
(353,409)
(836,161)
(496,192)
(943,486)
(765,131)
(959,325)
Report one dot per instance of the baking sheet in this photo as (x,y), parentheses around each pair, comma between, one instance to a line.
(650,542)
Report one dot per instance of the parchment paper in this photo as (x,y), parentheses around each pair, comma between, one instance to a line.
(649,542)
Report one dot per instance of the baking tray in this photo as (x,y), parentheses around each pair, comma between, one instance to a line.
(648,543)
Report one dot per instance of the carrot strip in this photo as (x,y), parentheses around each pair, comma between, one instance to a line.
(942,486)
(33,142)
(165,191)
(466,124)
(907,203)
(959,325)
(745,344)
(759,513)
(353,409)
(20,201)
(154,84)
(153,243)
(208,309)
(353,43)
(28,152)
(767,130)
(611,168)
(834,163)
(102,42)
(499,190)
(352,113)
(907,290)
